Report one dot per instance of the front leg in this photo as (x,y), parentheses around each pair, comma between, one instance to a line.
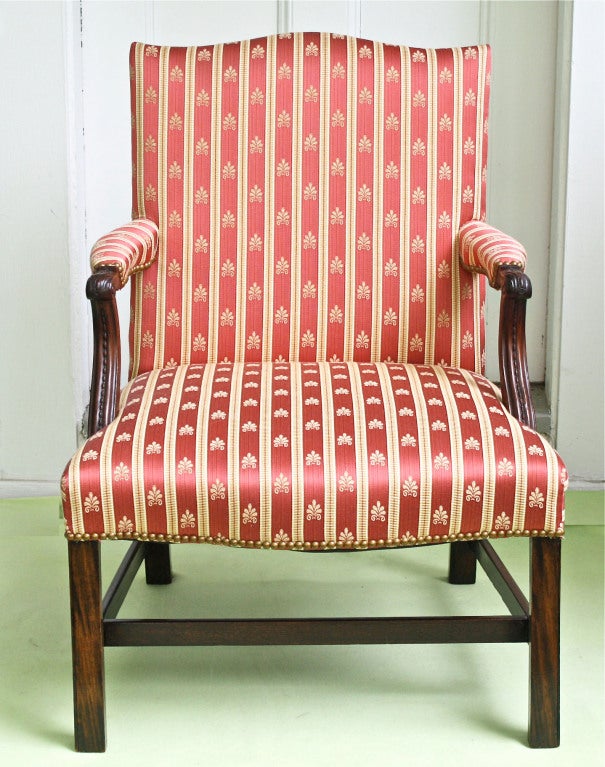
(87,645)
(544,660)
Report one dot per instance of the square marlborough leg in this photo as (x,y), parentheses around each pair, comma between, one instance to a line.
(544,692)
(463,563)
(87,645)
(158,570)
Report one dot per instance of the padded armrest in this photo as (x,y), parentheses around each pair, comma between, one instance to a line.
(483,248)
(130,248)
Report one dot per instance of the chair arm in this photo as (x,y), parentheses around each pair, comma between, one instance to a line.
(101,290)
(515,290)
(483,248)
(130,248)
(487,250)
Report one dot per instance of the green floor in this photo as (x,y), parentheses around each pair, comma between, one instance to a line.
(317,706)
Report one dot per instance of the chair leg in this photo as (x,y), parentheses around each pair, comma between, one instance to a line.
(87,645)
(544,696)
(158,571)
(463,563)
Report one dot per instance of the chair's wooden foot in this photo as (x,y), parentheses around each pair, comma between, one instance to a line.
(463,563)
(544,685)
(87,645)
(158,571)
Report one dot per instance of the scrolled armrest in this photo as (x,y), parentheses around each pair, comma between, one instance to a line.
(129,248)
(105,381)
(485,249)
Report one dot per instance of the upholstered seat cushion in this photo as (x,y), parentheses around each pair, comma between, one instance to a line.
(313,455)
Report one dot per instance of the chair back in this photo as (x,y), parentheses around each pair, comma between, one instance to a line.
(309,190)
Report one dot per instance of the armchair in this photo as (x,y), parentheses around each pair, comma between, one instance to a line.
(307,264)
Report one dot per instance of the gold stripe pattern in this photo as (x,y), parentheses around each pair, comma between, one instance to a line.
(489,456)
(162,205)
(298,470)
(265,448)
(361,452)
(138,454)
(456,451)
(552,489)
(392,435)
(329,451)
(233,466)
(424,450)
(77,517)
(482,74)
(520,474)
(135,349)
(378,199)
(324,197)
(139,102)
(242,203)
(215,205)
(297,175)
(201,450)
(188,168)
(351,222)
(404,206)
(458,139)
(431,206)
(170,449)
(477,281)
(269,203)
(108,477)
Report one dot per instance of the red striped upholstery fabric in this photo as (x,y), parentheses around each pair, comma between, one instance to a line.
(485,248)
(313,455)
(309,190)
(131,248)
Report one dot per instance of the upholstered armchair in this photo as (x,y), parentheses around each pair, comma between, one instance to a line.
(307,264)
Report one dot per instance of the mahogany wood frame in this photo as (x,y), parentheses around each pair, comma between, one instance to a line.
(95,622)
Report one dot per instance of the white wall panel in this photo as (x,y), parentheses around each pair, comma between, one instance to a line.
(330,16)
(431,25)
(524,43)
(178,22)
(37,432)
(580,415)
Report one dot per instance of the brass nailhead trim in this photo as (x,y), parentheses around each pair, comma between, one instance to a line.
(220,540)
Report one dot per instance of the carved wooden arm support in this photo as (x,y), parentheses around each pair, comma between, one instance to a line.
(105,383)
(515,289)
(113,259)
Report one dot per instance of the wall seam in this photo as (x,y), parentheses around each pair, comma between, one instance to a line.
(554,301)
(81,342)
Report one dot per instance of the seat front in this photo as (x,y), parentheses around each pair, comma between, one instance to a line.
(313,456)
